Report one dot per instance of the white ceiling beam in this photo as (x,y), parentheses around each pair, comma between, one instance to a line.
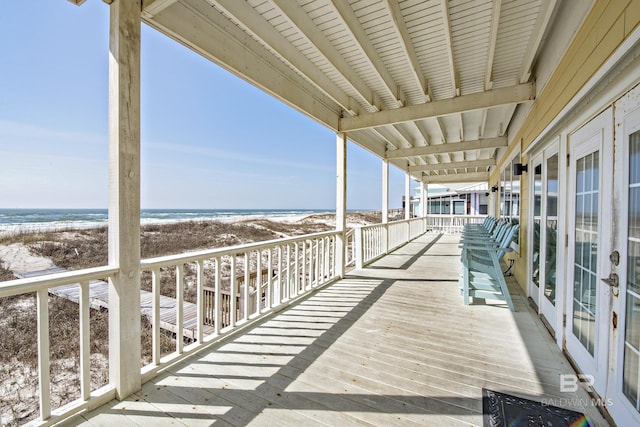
(393,8)
(476,101)
(453,165)
(255,24)
(457,177)
(300,20)
(449,44)
(493,36)
(448,148)
(151,8)
(544,17)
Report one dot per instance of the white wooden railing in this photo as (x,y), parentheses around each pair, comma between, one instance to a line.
(451,223)
(294,267)
(41,286)
(375,241)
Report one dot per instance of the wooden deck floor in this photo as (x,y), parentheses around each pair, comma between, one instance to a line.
(392,344)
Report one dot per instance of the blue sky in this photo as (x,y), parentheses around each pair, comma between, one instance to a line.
(209,140)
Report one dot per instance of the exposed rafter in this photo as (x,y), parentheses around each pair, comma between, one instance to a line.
(449,43)
(447,148)
(453,165)
(207,32)
(395,12)
(492,98)
(306,28)
(359,36)
(544,16)
(495,21)
(150,8)
(354,66)
(253,23)
(362,41)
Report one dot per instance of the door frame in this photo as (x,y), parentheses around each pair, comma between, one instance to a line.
(532,289)
(596,365)
(551,148)
(550,151)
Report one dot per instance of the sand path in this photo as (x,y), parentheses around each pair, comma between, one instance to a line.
(17,258)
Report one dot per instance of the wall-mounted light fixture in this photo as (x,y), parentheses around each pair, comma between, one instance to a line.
(518,168)
(494,188)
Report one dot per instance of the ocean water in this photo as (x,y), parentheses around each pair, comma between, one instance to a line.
(16,220)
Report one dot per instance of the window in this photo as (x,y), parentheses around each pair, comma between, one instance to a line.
(510,195)
(510,191)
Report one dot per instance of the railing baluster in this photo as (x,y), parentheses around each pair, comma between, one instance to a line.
(332,255)
(268,291)
(155,322)
(278,298)
(85,342)
(234,292)
(200,301)
(43,353)
(298,261)
(288,264)
(179,308)
(217,311)
(259,282)
(316,260)
(247,285)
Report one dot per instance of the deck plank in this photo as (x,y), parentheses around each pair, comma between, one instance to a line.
(392,344)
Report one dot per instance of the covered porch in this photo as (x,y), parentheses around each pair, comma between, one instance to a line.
(390,344)
(446,91)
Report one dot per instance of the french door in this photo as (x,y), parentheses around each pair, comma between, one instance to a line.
(589,245)
(624,382)
(545,242)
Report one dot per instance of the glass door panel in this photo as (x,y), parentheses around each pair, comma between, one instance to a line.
(551,229)
(536,240)
(537,207)
(585,279)
(631,356)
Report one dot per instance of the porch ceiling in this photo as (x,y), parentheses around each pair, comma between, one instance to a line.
(430,85)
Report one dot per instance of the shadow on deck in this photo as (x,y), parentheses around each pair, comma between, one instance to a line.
(392,344)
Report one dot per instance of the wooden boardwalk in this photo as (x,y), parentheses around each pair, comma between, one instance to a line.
(391,344)
(99,299)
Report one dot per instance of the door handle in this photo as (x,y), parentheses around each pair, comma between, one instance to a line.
(613,280)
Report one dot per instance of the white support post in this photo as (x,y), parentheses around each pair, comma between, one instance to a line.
(423,199)
(407,196)
(85,343)
(341,202)
(44,378)
(385,191)
(385,206)
(424,204)
(124,196)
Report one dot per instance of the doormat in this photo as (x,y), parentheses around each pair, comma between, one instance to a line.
(505,410)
